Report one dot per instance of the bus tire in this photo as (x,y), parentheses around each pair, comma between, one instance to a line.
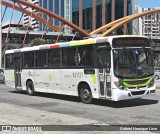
(30,88)
(86,94)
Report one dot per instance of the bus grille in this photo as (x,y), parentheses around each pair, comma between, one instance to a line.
(138,92)
(137,87)
(136,82)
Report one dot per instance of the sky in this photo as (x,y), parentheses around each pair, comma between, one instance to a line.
(149,3)
(142,3)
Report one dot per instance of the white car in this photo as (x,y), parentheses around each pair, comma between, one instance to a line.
(157,74)
(2,77)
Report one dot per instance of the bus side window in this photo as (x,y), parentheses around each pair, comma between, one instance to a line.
(28,59)
(69,57)
(40,59)
(85,56)
(54,58)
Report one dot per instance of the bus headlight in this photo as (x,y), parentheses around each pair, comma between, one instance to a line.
(119,85)
(151,83)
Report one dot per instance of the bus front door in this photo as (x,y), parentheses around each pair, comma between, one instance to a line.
(104,61)
(17,70)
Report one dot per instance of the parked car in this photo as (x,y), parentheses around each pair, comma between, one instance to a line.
(2,77)
(157,74)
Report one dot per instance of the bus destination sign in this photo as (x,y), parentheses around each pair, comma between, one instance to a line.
(131,42)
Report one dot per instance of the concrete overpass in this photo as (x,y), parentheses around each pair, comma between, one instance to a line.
(16,37)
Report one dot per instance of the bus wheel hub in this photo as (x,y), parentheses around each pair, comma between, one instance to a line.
(86,94)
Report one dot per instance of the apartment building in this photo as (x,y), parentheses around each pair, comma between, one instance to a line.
(29,21)
(149,25)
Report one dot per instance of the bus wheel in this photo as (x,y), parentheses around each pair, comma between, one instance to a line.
(30,88)
(86,94)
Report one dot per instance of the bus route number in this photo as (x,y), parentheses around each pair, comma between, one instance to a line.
(77,75)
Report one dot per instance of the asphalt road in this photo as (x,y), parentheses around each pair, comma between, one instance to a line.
(131,112)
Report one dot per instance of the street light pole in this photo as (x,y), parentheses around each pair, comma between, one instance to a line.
(0,33)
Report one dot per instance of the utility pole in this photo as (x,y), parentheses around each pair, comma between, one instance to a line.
(0,33)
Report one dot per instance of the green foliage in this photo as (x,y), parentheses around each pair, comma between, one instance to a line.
(51,41)
(37,42)
(61,41)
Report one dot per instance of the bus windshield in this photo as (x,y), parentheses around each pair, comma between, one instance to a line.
(133,62)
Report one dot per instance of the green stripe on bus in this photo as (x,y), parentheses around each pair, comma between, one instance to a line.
(93,76)
(50,77)
(12,77)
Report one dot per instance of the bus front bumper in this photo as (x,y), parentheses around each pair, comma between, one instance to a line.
(118,94)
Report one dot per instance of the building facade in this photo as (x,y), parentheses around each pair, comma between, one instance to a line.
(92,14)
(13,25)
(87,14)
(29,21)
(56,6)
(149,25)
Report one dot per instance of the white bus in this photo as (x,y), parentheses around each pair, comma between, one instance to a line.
(114,68)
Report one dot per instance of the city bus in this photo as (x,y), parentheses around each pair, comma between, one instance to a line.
(114,68)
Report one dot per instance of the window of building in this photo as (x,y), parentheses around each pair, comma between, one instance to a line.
(62,8)
(87,14)
(40,59)
(75,12)
(85,56)
(51,5)
(28,60)
(68,57)
(54,58)
(9,61)
(56,11)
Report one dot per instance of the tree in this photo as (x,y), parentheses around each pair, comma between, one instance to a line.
(51,41)
(37,42)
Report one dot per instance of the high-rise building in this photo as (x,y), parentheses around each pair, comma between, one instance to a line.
(87,14)
(148,25)
(56,6)
(92,14)
(27,20)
